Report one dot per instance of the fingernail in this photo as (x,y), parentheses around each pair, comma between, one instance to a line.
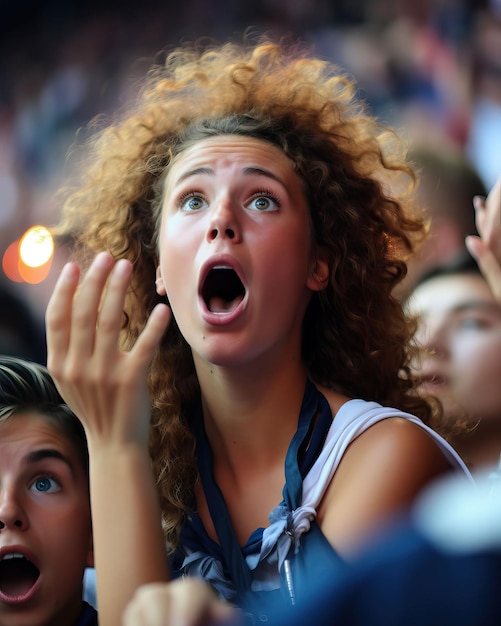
(68,270)
(471,243)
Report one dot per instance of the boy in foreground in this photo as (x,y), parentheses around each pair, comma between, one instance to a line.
(45,520)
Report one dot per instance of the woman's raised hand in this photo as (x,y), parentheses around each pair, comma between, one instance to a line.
(105,386)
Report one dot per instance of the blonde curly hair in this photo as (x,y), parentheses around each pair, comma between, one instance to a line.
(356,338)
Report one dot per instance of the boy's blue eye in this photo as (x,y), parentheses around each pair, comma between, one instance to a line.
(45,484)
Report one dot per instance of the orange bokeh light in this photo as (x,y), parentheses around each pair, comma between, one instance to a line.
(17,271)
(10,262)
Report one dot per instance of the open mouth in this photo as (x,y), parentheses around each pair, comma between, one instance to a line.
(222,290)
(17,575)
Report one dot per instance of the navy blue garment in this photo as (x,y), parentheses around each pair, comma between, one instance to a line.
(406,581)
(224,564)
(440,565)
(89,616)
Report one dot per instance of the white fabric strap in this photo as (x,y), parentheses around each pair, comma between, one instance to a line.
(353,418)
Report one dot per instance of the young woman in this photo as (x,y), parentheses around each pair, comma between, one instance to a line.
(248,247)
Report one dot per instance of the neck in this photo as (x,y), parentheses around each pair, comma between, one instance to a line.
(251,412)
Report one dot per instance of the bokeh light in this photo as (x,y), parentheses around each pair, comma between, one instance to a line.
(10,262)
(29,259)
(36,246)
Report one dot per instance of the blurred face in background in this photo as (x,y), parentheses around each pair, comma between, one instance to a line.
(460,331)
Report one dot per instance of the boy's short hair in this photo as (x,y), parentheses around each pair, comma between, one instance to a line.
(26,386)
(462,263)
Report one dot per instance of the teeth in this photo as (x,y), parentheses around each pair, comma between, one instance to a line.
(13,555)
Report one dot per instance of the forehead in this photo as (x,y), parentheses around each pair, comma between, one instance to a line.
(233,153)
(446,293)
(30,429)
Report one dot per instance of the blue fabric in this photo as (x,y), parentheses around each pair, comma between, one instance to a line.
(405,580)
(228,566)
(89,616)
(89,586)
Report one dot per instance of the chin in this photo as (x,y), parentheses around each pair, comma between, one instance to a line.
(224,352)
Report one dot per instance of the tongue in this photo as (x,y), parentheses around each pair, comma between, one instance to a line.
(18,578)
(220,305)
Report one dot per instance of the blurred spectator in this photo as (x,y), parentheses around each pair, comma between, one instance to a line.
(447,185)
(460,332)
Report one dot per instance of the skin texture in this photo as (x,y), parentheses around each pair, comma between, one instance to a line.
(230,222)
(44,510)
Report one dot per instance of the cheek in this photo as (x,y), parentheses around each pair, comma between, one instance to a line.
(285,254)
(176,258)
(479,364)
(67,531)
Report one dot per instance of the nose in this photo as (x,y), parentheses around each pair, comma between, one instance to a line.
(12,514)
(223,222)
(432,337)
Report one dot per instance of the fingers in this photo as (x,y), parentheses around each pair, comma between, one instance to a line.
(106,286)
(187,602)
(58,316)
(153,332)
(104,385)
(488,219)
(86,305)
(84,322)
(488,263)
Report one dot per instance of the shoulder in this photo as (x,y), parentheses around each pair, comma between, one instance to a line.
(395,443)
(380,475)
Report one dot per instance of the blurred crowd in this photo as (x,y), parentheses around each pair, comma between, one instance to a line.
(431,68)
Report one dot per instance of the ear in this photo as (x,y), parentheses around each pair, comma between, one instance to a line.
(159,282)
(318,278)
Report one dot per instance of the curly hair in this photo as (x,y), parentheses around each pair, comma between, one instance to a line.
(356,338)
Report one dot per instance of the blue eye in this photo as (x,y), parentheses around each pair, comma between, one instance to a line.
(192,203)
(266,202)
(45,484)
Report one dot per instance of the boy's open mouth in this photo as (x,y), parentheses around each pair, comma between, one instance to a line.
(222,290)
(17,575)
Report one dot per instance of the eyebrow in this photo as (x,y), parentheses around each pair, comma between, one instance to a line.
(198,170)
(492,307)
(247,171)
(48,453)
